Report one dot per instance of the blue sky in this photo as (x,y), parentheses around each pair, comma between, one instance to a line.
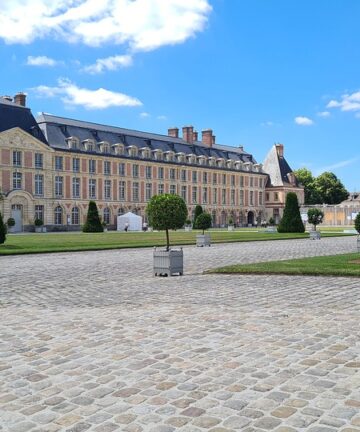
(255,71)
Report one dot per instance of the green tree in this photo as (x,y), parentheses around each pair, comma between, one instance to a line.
(2,230)
(93,223)
(357,223)
(305,177)
(203,222)
(330,189)
(315,217)
(165,212)
(291,220)
(197,212)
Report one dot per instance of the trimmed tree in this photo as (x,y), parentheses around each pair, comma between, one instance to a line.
(203,222)
(93,223)
(198,211)
(357,223)
(315,217)
(2,230)
(166,212)
(291,220)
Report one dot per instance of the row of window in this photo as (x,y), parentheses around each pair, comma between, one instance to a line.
(74,217)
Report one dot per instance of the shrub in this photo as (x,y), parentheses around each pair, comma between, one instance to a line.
(203,222)
(10,222)
(198,211)
(357,223)
(93,223)
(271,221)
(38,222)
(315,217)
(231,221)
(188,222)
(291,220)
(165,212)
(2,230)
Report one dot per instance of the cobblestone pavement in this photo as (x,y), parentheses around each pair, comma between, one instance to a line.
(92,342)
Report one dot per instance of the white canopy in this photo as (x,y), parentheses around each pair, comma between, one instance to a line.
(134,222)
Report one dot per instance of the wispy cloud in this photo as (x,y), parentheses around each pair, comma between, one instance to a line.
(348,102)
(140,25)
(72,95)
(109,63)
(303,121)
(41,61)
(336,166)
(324,114)
(161,117)
(144,115)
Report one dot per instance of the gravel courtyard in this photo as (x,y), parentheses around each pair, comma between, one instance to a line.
(91,341)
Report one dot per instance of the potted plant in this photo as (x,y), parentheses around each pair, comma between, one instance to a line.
(103,223)
(166,212)
(11,223)
(38,225)
(188,225)
(315,217)
(271,226)
(203,222)
(231,224)
(357,227)
(2,230)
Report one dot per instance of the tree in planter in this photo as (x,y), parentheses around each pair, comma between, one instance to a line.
(10,222)
(271,221)
(291,220)
(38,222)
(357,223)
(2,230)
(165,212)
(93,223)
(315,217)
(231,221)
(198,211)
(203,222)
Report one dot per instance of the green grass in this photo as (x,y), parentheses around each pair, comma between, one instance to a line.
(62,242)
(333,265)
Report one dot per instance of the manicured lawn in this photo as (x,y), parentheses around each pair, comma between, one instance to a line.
(61,242)
(333,265)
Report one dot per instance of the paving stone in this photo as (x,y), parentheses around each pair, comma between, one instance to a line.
(267,423)
(283,412)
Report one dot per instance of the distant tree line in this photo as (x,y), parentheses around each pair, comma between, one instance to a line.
(324,189)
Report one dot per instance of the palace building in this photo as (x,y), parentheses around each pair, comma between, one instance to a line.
(52,166)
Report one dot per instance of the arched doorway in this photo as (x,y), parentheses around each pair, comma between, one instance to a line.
(17,215)
(250,218)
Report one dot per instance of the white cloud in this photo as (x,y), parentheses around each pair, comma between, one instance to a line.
(141,25)
(348,102)
(303,121)
(72,95)
(110,63)
(161,117)
(41,61)
(323,114)
(144,115)
(335,166)
(267,124)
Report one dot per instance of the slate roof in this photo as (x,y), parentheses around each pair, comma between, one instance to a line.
(278,169)
(57,129)
(14,115)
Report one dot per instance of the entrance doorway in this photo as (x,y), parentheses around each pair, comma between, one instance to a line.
(251,218)
(16,214)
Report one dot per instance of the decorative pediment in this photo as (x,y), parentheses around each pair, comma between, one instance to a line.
(17,138)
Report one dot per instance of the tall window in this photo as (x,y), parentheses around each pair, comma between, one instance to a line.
(39,184)
(76,187)
(39,212)
(107,189)
(92,166)
(223,196)
(122,190)
(135,170)
(160,172)
(160,188)
(16,158)
(173,189)
(39,161)
(148,191)
(260,182)
(242,181)
(251,198)
(241,197)
(122,169)
(135,191)
(172,174)
(205,177)
(251,181)
(232,180)
(76,165)
(58,163)
(276,196)
(148,172)
(58,216)
(232,197)
(205,195)
(107,167)
(183,175)
(194,194)
(75,216)
(215,196)
(260,198)
(17,180)
(92,188)
(59,189)
(183,193)
(194,176)
(214,179)
(224,179)
(106,215)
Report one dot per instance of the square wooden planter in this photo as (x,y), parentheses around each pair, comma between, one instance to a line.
(315,235)
(203,240)
(168,263)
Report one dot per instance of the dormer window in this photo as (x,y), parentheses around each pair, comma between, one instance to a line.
(132,151)
(158,155)
(72,142)
(248,166)
(202,160)
(230,163)
(118,148)
(220,162)
(238,165)
(104,147)
(191,158)
(89,145)
(212,161)
(144,153)
(169,155)
(180,157)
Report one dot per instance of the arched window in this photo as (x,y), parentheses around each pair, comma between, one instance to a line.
(107,215)
(75,216)
(58,216)
(121,211)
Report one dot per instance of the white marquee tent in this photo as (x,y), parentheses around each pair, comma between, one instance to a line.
(134,222)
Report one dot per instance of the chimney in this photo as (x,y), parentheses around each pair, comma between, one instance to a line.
(279,150)
(188,132)
(213,139)
(207,137)
(20,99)
(173,132)
(195,136)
